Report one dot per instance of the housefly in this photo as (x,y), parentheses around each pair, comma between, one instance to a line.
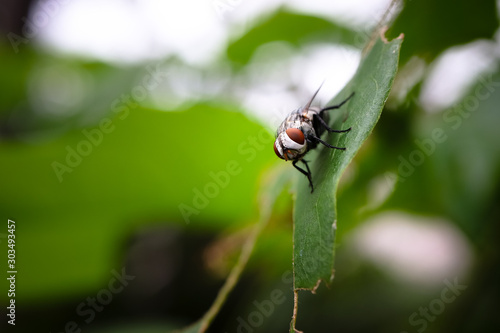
(301,132)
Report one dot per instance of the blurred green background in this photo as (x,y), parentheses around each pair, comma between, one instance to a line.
(134,138)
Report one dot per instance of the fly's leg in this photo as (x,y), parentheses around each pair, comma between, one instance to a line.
(309,177)
(338,105)
(315,138)
(323,122)
(306,173)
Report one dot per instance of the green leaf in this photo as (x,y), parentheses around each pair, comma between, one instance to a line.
(315,215)
(431,26)
(293,28)
(194,328)
(134,175)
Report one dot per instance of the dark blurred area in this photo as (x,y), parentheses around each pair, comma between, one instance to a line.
(132,184)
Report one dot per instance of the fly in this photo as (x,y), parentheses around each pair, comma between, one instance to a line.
(301,131)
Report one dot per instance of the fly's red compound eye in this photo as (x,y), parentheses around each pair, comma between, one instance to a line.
(296,135)
(276,151)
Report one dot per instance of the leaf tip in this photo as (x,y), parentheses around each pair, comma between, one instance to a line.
(383,37)
(313,290)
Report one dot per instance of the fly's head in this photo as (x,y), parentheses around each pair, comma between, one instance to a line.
(290,144)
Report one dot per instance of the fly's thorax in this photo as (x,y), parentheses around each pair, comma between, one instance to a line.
(294,119)
(300,118)
(310,113)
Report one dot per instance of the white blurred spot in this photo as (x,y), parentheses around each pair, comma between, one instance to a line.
(454,72)
(269,96)
(354,13)
(196,31)
(409,75)
(416,249)
(331,65)
(244,13)
(351,13)
(379,189)
(56,90)
(129,31)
